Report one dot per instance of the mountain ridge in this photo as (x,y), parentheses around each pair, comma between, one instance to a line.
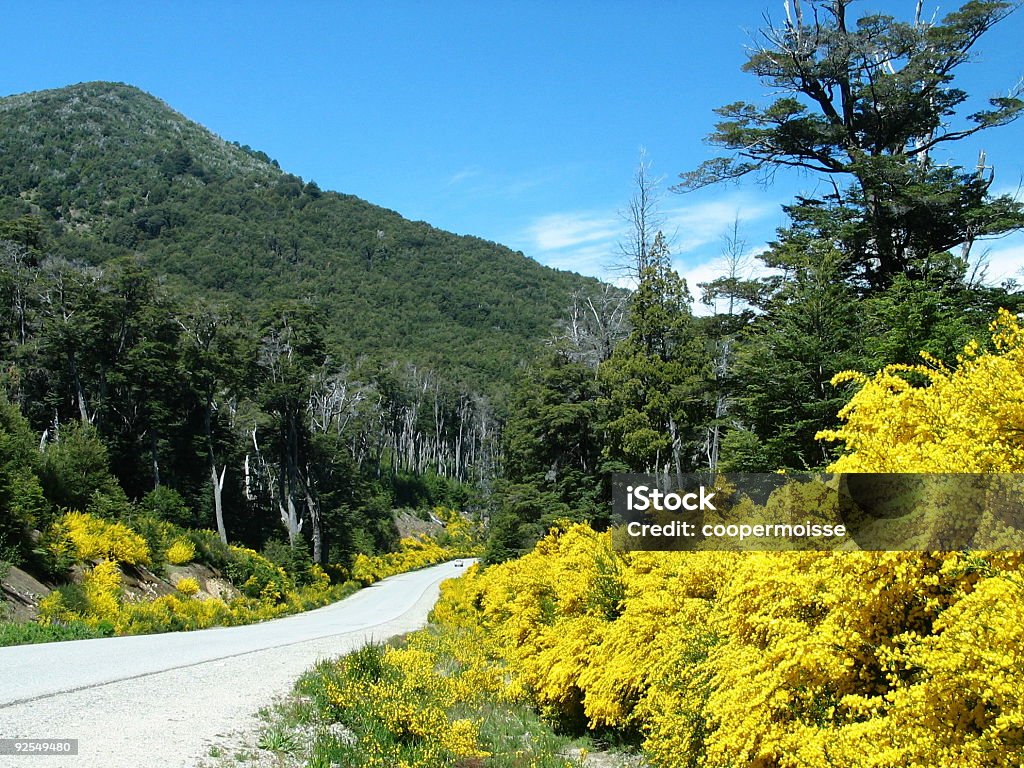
(114,171)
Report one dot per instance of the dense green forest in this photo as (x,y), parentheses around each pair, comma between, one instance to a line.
(190,333)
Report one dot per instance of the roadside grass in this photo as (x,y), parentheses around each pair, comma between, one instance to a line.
(427,700)
(25,633)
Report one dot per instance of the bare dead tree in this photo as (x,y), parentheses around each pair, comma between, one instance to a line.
(736,264)
(334,401)
(596,322)
(644,219)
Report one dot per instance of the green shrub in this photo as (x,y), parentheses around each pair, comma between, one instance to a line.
(73,598)
(209,549)
(159,535)
(293,558)
(55,554)
(113,505)
(338,574)
(166,504)
(255,576)
(76,466)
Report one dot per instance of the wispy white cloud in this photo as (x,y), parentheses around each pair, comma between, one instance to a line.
(460,177)
(587,260)
(475,182)
(514,187)
(589,241)
(749,268)
(559,231)
(698,226)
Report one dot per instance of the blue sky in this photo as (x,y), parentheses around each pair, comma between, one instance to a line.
(517,122)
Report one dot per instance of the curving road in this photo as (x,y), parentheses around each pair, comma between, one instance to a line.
(165,699)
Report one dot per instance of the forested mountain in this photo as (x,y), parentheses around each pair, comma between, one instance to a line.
(113,171)
(191,333)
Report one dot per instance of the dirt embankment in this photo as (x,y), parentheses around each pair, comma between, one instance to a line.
(20,591)
(409,524)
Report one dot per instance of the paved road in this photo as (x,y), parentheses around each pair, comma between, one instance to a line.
(164,699)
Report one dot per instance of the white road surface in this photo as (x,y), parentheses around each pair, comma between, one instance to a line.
(163,700)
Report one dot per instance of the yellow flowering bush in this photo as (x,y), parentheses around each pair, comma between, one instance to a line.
(92,538)
(413,553)
(402,703)
(774,659)
(102,604)
(100,596)
(461,534)
(791,659)
(172,613)
(268,591)
(965,419)
(54,610)
(255,576)
(180,552)
(437,699)
(102,588)
(460,538)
